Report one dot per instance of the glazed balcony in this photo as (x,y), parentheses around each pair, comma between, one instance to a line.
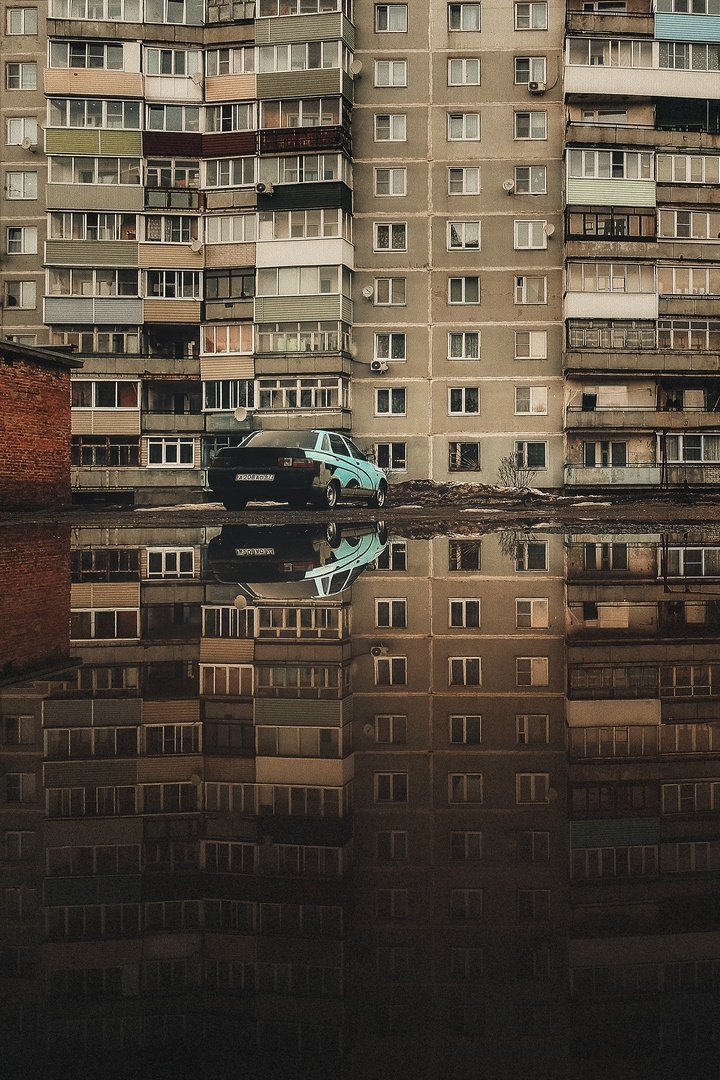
(633,67)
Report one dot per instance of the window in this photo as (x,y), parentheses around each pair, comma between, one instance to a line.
(91,226)
(464,613)
(394,557)
(390,401)
(463,181)
(392,903)
(171,453)
(465,787)
(229,172)
(530,179)
(465,846)
(239,117)
(23,20)
(20,128)
(300,56)
(533,847)
(390,291)
(463,127)
(464,71)
(463,235)
(19,846)
(531,614)
(177,12)
(464,555)
(531,671)
(465,671)
(18,731)
(532,788)
(391,346)
(234,284)
(531,290)
(391,787)
(178,62)
(530,125)
(531,344)
(610,164)
(82,54)
(21,294)
(391,456)
(82,282)
(230,394)
(465,730)
(239,61)
(105,394)
(391,73)
(464,290)
(103,451)
(21,185)
(392,960)
(21,240)
(530,69)
(463,16)
(301,280)
(170,562)
(95,113)
(530,235)
(391,612)
(533,903)
(108,10)
(463,400)
(182,118)
(466,903)
(530,399)
(94,170)
(21,76)
(532,16)
(464,457)
(390,670)
(390,127)
(531,555)
(390,181)
(391,18)
(170,229)
(464,345)
(391,729)
(392,846)
(20,787)
(390,236)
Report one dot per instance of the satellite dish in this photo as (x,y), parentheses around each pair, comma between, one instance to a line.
(240,415)
(27,144)
(509,186)
(356,67)
(196,246)
(368,291)
(197,78)
(240,602)
(549,230)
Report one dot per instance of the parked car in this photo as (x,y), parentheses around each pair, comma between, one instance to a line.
(298,562)
(318,467)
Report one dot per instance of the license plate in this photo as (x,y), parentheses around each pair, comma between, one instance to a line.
(253,476)
(254,551)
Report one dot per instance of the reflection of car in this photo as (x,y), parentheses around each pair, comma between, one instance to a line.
(301,562)
(305,466)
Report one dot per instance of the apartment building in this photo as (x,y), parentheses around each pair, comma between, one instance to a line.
(471,235)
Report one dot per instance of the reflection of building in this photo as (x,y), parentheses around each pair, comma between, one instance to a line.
(644,731)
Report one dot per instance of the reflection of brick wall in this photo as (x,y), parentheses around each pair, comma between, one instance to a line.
(34,434)
(35,600)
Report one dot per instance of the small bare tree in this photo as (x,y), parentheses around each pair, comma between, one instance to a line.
(512,474)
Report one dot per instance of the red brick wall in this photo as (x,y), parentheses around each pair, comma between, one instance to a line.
(34,597)
(34,434)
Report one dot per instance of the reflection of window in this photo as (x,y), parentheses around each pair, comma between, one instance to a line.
(531,555)
(171,562)
(171,453)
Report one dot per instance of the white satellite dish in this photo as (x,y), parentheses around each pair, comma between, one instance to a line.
(240,415)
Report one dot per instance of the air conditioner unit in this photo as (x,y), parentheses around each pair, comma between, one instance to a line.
(537,87)
(264,189)
(378,365)
(379,650)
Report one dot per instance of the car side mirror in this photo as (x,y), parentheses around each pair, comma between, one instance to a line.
(369,454)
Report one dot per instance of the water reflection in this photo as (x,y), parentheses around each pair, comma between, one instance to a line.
(323,800)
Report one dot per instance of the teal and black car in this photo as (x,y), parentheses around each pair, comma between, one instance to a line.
(315,467)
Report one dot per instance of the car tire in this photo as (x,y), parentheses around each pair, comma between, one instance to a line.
(233,502)
(381,532)
(333,535)
(331,495)
(380,496)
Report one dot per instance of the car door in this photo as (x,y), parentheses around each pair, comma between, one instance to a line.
(365,471)
(346,467)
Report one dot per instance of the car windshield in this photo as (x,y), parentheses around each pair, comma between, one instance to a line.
(305,440)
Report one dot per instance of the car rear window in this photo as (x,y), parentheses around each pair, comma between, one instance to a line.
(305,440)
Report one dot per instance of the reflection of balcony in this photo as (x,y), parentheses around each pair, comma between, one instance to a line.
(636,475)
(631,419)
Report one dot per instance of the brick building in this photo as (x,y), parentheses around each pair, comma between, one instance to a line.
(34,426)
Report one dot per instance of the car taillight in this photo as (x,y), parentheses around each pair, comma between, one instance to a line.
(303,463)
(285,462)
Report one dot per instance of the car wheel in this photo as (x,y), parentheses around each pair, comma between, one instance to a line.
(381,532)
(232,502)
(380,496)
(332,534)
(297,503)
(331,495)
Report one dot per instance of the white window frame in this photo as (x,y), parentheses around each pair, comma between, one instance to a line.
(393,456)
(392,289)
(385,611)
(463,337)
(523,734)
(464,17)
(388,342)
(522,550)
(21,240)
(458,723)
(463,666)
(536,348)
(538,785)
(21,21)
(462,392)
(394,666)
(521,453)
(394,725)
(19,128)
(27,294)
(391,230)
(463,127)
(534,8)
(463,785)
(462,287)
(537,125)
(456,449)
(534,184)
(467,233)
(396,182)
(468,610)
(396,127)
(391,74)
(23,72)
(171,562)
(464,180)
(536,399)
(164,443)
(532,671)
(21,180)
(536,70)
(523,286)
(532,613)
(464,71)
(389,13)
(530,234)
(385,400)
